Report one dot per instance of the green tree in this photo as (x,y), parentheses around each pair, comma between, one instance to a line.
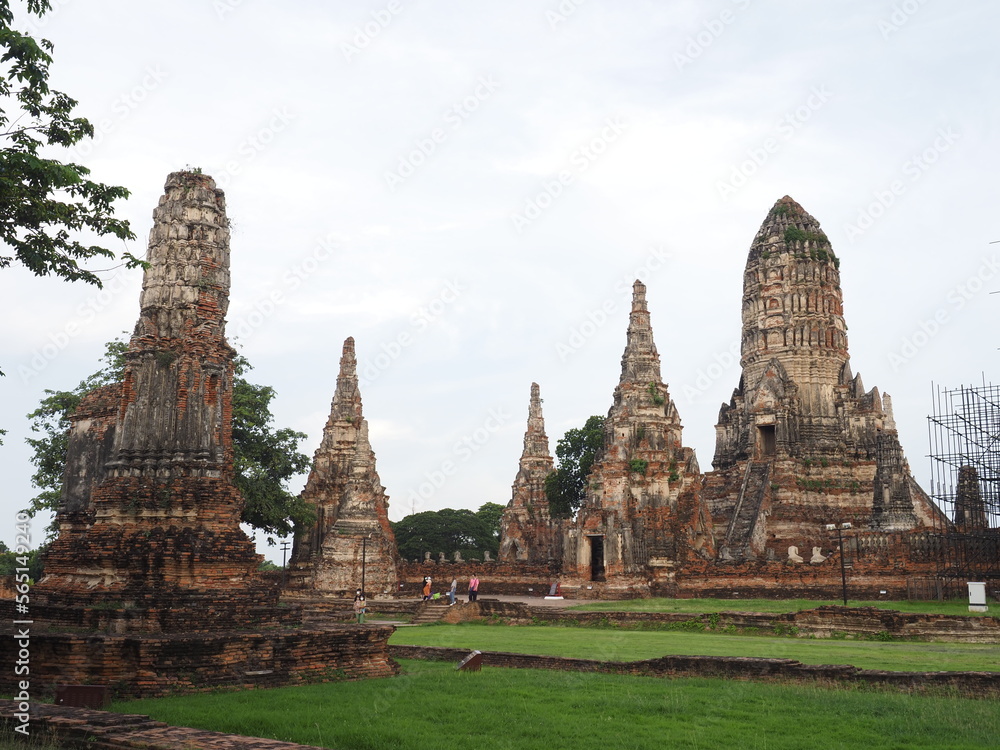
(265,458)
(566,487)
(491,514)
(44,203)
(444,530)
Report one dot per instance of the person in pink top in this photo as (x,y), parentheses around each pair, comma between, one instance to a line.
(473,588)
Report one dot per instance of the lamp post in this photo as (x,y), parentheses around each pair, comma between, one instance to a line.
(840,528)
(284,549)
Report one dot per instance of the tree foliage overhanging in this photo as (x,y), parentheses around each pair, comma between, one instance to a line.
(264,458)
(448,530)
(44,203)
(566,487)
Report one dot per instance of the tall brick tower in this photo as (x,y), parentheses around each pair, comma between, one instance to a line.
(801,442)
(352,532)
(528,532)
(642,510)
(150,515)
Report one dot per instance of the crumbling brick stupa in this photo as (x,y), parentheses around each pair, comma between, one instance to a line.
(150,514)
(802,444)
(151,586)
(642,515)
(528,533)
(351,536)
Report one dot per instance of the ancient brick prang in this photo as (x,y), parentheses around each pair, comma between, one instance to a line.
(352,510)
(801,443)
(150,514)
(528,532)
(642,513)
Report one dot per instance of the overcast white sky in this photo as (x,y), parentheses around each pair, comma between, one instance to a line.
(469,189)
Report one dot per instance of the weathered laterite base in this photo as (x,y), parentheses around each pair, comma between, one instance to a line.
(148,666)
(968,684)
(60,726)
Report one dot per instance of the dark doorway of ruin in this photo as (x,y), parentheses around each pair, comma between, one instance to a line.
(766,442)
(597,558)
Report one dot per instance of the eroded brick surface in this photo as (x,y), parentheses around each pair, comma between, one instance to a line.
(352,509)
(528,533)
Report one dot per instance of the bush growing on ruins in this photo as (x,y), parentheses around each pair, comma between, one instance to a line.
(264,458)
(566,487)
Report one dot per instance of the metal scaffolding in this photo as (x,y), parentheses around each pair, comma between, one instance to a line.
(964,432)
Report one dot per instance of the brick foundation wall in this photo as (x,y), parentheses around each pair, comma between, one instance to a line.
(970,684)
(147,666)
(821,622)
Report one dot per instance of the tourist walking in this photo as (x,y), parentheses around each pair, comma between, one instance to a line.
(473,588)
(427,588)
(360,605)
(453,590)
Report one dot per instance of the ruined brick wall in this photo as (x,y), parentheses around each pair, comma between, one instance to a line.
(973,684)
(147,666)
(821,622)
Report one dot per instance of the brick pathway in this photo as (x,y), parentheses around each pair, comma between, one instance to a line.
(86,728)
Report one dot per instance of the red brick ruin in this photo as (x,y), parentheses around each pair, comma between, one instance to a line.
(150,562)
(351,537)
(150,514)
(800,445)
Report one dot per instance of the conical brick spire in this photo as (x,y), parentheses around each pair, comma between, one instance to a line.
(635,487)
(351,533)
(640,362)
(526,529)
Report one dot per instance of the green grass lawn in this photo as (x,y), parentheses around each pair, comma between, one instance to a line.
(432,706)
(699,606)
(609,644)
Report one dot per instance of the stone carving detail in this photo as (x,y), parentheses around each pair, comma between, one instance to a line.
(150,514)
(793,555)
(817,556)
(458,557)
(352,530)
(528,533)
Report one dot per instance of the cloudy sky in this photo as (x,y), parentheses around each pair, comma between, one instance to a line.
(469,189)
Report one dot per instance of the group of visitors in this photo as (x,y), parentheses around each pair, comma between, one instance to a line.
(453,589)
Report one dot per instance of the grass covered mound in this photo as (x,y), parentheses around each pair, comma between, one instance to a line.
(608,644)
(433,706)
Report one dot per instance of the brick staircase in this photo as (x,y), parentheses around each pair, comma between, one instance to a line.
(430,612)
(741,528)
